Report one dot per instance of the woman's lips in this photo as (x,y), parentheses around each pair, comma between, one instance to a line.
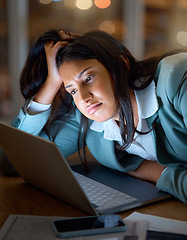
(93,108)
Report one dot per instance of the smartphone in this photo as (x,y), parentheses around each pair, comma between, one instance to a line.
(73,227)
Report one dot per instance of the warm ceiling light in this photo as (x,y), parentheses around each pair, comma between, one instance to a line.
(107,26)
(182,38)
(102,3)
(45,1)
(84,4)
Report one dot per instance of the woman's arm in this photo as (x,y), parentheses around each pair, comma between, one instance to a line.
(171,179)
(148,171)
(53,82)
(174,181)
(34,123)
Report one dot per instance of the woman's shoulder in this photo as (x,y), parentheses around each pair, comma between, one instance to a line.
(170,73)
(174,61)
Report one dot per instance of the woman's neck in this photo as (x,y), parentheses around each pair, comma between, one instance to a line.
(134,107)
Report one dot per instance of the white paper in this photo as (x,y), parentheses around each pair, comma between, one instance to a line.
(25,227)
(160,224)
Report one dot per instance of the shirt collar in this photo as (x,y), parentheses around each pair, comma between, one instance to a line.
(110,128)
(147,101)
(147,106)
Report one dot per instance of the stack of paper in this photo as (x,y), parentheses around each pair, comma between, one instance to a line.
(24,227)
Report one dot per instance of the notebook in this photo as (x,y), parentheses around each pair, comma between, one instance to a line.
(40,163)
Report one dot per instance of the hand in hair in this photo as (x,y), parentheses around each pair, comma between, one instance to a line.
(65,34)
(50,87)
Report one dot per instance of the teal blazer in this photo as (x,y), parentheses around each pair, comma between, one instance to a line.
(169,134)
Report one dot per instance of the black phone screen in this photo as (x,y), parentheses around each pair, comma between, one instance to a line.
(85,223)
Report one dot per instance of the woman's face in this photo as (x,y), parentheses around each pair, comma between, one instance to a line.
(92,88)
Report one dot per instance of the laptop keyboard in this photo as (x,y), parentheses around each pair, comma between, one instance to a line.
(100,195)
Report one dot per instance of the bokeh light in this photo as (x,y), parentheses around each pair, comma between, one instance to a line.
(45,1)
(102,3)
(114,27)
(120,27)
(107,26)
(182,38)
(84,4)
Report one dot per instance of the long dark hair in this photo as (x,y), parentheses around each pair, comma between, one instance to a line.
(124,68)
(35,73)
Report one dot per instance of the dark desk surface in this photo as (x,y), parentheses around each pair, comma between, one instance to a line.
(18,197)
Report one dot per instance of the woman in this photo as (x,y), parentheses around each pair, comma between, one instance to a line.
(89,90)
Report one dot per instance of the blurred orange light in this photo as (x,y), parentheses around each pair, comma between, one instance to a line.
(102,3)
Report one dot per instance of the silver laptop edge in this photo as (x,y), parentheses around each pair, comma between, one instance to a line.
(56,183)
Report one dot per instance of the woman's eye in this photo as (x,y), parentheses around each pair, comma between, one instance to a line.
(88,78)
(73,92)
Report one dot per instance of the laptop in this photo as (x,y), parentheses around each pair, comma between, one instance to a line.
(40,163)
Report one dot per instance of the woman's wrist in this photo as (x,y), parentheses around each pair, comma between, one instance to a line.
(47,92)
(148,171)
(155,171)
(34,108)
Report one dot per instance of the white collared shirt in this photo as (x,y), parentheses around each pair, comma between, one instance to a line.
(142,145)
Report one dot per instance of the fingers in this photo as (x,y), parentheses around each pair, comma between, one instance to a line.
(65,35)
(48,45)
(68,35)
(55,46)
(51,49)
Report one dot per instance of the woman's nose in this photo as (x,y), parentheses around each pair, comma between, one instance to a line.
(85,96)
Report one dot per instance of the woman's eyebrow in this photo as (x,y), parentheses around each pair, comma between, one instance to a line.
(79,76)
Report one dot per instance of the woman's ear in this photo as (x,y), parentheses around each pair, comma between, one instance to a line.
(126,60)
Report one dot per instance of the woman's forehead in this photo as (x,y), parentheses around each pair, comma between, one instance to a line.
(77,67)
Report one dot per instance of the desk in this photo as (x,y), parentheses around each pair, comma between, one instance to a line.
(18,197)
